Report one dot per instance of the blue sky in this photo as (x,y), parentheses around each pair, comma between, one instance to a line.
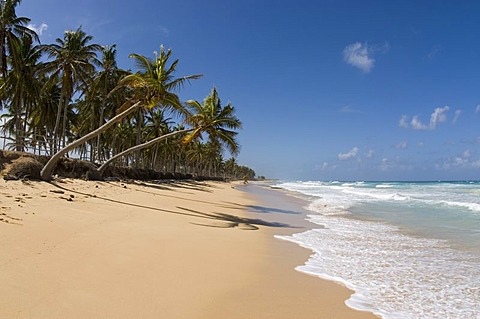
(329,90)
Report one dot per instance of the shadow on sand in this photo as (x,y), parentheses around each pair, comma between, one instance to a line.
(228,220)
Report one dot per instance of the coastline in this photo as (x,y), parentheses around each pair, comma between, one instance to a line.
(184,250)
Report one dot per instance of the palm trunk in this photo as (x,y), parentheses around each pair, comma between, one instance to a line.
(102,168)
(100,121)
(56,140)
(139,137)
(46,172)
(18,128)
(64,126)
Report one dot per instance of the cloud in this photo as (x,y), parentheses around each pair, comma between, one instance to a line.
(403,121)
(401,145)
(348,109)
(477,109)
(438,116)
(385,165)
(359,55)
(417,124)
(456,116)
(434,51)
(395,164)
(460,161)
(370,154)
(350,154)
(163,30)
(325,166)
(43,27)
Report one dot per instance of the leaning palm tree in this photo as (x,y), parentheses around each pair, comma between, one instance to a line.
(153,86)
(210,117)
(74,61)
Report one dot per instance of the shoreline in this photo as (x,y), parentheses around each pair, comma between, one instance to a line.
(184,250)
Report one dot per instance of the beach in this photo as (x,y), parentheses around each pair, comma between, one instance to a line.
(83,249)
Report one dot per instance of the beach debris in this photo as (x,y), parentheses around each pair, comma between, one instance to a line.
(68,199)
(23,168)
(56,191)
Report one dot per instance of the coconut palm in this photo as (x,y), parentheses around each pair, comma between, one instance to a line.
(153,86)
(74,60)
(21,88)
(217,121)
(11,29)
(210,117)
(43,115)
(102,104)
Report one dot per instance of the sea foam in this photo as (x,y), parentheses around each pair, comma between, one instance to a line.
(395,274)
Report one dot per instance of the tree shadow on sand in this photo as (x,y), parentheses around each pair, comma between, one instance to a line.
(231,221)
(261,209)
(227,205)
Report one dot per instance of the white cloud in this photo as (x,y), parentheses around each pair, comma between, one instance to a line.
(401,145)
(359,55)
(477,109)
(460,161)
(325,166)
(348,109)
(434,51)
(370,154)
(403,121)
(417,124)
(385,165)
(39,30)
(350,154)
(438,116)
(163,30)
(456,116)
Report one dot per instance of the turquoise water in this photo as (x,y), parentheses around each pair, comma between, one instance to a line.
(408,250)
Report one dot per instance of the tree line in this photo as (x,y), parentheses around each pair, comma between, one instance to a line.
(71,97)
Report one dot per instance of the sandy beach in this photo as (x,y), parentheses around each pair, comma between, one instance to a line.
(78,249)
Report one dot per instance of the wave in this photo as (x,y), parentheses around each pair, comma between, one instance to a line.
(393,275)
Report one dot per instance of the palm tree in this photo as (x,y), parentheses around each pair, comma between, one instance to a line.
(210,117)
(155,84)
(153,87)
(11,29)
(157,125)
(102,103)
(74,63)
(43,115)
(217,121)
(22,87)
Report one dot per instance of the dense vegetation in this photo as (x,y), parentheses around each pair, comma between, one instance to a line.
(54,94)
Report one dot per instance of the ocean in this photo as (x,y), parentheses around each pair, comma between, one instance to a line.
(407,249)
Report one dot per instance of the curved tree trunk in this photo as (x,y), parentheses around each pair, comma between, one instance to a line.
(102,168)
(46,172)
